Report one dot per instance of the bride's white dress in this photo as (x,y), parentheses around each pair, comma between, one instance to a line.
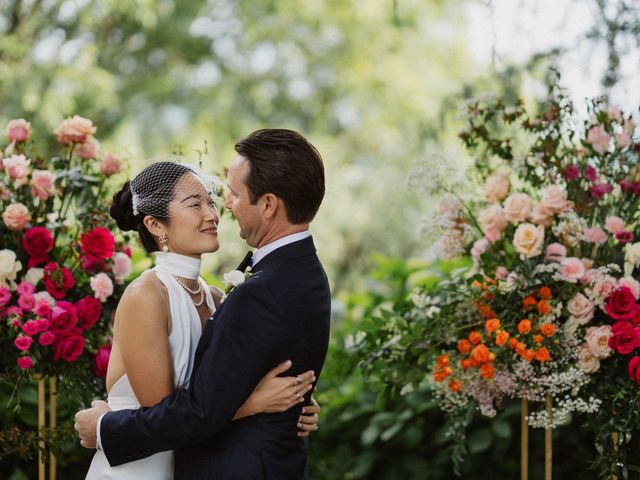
(186,329)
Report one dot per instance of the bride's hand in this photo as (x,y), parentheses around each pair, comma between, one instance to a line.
(308,421)
(275,394)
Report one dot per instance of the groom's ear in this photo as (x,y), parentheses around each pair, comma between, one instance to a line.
(270,205)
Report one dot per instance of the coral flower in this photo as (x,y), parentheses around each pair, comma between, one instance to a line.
(486,371)
(528,355)
(524,326)
(465,363)
(481,354)
(528,302)
(455,385)
(543,307)
(502,338)
(492,325)
(542,355)
(464,346)
(443,360)
(513,343)
(475,338)
(548,329)
(545,292)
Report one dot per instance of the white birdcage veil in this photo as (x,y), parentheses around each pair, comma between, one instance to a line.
(169,177)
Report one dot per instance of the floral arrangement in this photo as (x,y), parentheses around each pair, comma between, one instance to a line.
(62,269)
(547,309)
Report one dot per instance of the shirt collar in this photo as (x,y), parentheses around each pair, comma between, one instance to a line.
(265,250)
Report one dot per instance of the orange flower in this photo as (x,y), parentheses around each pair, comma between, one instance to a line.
(502,338)
(513,343)
(475,338)
(476,284)
(439,376)
(489,296)
(520,347)
(537,338)
(465,363)
(492,325)
(543,307)
(475,363)
(481,354)
(528,355)
(542,355)
(486,311)
(443,360)
(464,346)
(528,302)
(486,371)
(548,329)
(545,292)
(524,326)
(455,385)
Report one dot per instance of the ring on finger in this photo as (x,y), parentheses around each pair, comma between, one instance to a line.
(298,381)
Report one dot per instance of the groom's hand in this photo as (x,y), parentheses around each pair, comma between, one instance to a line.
(86,421)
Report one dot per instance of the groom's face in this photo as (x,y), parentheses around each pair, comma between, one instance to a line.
(239,202)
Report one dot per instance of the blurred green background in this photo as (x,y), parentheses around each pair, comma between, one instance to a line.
(375,85)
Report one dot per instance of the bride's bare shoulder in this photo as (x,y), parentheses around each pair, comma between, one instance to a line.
(147,289)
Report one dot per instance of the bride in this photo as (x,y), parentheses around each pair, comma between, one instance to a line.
(163,312)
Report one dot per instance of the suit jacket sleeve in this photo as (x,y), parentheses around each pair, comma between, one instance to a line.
(247,336)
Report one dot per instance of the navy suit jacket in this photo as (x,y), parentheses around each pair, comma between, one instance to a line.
(281,312)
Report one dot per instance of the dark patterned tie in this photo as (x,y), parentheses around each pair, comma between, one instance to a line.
(246,262)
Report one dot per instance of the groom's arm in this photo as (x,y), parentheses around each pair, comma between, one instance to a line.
(243,348)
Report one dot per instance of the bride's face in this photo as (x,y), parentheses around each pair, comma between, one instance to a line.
(193,219)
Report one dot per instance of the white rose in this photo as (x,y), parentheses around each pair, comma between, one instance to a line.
(587,361)
(517,207)
(34,275)
(528,240)
(9,267)
(581,308)
(233,278)
(39,296)
(497,186)
(597,339)
(631,258)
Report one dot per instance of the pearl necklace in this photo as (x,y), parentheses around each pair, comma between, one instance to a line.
(197,291)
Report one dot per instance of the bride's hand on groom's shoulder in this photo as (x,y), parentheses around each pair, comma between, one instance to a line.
(86,421)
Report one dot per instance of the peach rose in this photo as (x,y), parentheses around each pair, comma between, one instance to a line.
(110,165)
(587,361)
(597,339)
(497,186)
(517,207)
(598,138)
(88,149)
(541,215)
(571,269)
(595,235)
(17,166)
(493,221)
(16,216)
(18,130)
(581,308)
(42,183)
(614,224)
(554,199)
(528,240)
(102,286)
(623,139)
(74,130)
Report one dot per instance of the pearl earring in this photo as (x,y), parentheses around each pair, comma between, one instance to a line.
(163,240)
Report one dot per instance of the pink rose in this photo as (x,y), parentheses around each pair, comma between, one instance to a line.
(615,113)
(634,369)
(23,343)
(89,310)
(492,220)
(517,207)
(587,361)
(101,361)
(45,297)
(528,240)
(572,172)
(110,165)
(541,215)
(597,339)
(581,308)
(501,273)
(624,237)
(16,166)
(18,130)
(25,363)
(497,186)
(632,284)
(42,183)
(571,269)
(599,190)
(555,252)
(595,235)
(625,338)
(5,296)
(42,308)
(46,338)
(614,224)
(27,302)
(122,266)
(623,139)
(43,324)
(88,149)
(31,327)
(74,130)
(603,287)
(554,199)
(69,345)
(590,173)
(16,217)
(25,288)
(102,286)
(598,138)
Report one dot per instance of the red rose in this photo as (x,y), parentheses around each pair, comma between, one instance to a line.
(625,338)
(97,244)
(63,317)
(634,369)
(69,345)
(37,242)
(89,310)
(57,280)
(101,361)
(621,304)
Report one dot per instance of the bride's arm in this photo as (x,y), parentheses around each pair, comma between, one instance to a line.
(142,333)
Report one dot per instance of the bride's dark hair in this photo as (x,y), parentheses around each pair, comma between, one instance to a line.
(157,183)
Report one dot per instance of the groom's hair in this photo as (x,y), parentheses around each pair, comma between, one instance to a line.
(284,163)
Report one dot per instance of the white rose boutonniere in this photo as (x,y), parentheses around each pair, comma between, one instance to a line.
(233,279)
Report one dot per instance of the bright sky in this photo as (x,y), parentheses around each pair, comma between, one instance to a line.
(518,28)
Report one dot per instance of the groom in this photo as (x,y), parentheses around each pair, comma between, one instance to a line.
(276,185)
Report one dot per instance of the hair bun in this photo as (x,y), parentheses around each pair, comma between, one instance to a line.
(122,209)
